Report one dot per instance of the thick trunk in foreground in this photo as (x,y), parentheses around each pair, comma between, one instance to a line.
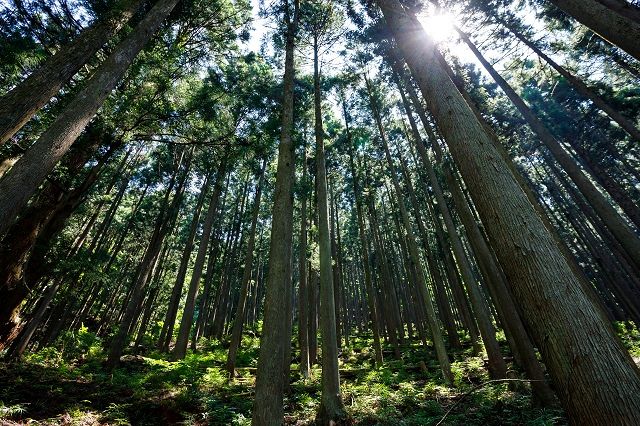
(268,408)
(26,99)
(596,379)
(618,29)
(19,183)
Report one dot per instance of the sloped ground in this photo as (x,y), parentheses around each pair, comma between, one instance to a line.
(49,389)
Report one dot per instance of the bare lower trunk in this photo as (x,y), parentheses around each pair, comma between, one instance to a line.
(238,322)
(268,408)
(578,346)
(182,340)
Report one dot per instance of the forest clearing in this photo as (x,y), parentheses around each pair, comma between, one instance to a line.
(320,212)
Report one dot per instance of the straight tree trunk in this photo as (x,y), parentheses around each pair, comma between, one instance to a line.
(180,350)
(303,287)
(364,247)
(267,407)
(161,228)
(580,86)
(19,183)
(616,224)
(542,393)
(166,333)
(331,406)
(497,366)
(27,98)
(578,346)
(236,334)
(436,334)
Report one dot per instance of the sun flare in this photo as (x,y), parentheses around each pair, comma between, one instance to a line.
(439,26)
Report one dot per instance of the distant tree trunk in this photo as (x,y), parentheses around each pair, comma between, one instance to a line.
(497,366)
(180,350)
(19,183)
(238,322)
(389,299)
(578,346)
(27,98)
(161,228)
(364,247)
(580,86)
(617,27)
(441,297)
(267,407)
(313,315)
(436,334)
(303,288)
(337,278)
(166,333)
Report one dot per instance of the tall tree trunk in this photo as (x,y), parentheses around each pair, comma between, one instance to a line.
(619,29)
(19,184)
(494,278)
(180,350)
(166,334)
(436,334)
(27,98)
(578,346)
(238,322)
(331,406)
(268,408)
(616,224)
(303,287)
(364,247)
(497,366)
(161,229)
(580,86)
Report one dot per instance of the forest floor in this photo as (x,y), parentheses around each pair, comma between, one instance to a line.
(68,385)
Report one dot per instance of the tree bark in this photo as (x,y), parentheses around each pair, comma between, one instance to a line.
(578,346)
(268,408)
(331,406)
(27,98)
(618,29)
(303,287)
(616,224)
(19,183)
(180,349)
(238,323)
(436,334)
(166,333)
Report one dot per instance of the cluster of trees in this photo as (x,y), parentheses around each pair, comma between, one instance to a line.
(406,196)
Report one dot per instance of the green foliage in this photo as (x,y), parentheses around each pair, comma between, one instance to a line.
(197,390)
(630,336)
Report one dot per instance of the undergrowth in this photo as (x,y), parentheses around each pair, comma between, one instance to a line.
(68,385)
